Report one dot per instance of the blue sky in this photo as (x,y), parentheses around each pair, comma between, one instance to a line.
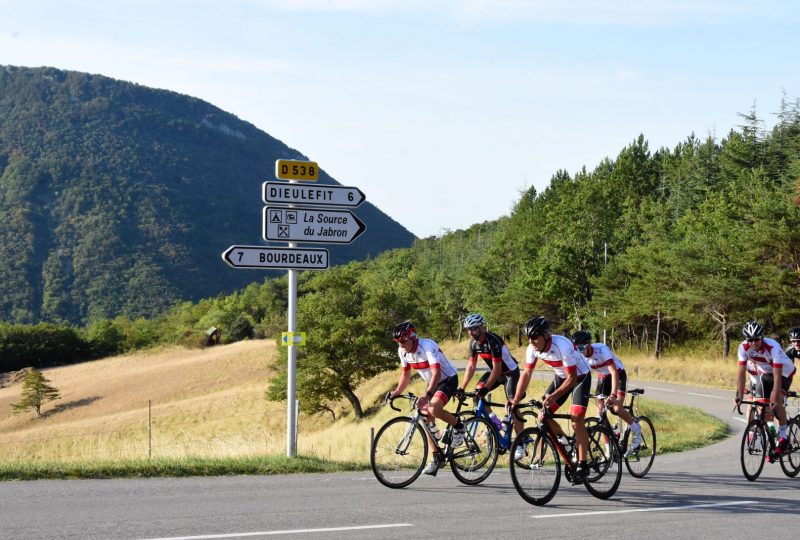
(440,111)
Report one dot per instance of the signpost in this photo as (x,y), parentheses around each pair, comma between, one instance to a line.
(276,258)
(320,195)
(311,225)
(298,224)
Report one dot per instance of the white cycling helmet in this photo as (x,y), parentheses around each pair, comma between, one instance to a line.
(474,319)
(752,330)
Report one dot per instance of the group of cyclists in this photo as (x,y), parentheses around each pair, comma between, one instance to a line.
(572,359)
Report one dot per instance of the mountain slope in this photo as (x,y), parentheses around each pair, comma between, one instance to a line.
(119,199)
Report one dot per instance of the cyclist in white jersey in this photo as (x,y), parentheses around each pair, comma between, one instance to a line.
(774,372)
(612,380)
(572,376)
(425,356)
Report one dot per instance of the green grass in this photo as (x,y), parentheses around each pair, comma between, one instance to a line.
(189,466)
(680,428)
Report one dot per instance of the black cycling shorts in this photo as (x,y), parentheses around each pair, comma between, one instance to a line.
(509,379)
(580,393)
(764,383)
(604,384)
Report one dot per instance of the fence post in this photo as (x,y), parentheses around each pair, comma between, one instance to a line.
(149,429)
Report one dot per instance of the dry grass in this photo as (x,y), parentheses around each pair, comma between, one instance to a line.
(210,403)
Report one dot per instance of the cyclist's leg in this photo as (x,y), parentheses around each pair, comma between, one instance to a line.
(580,401)
(554,426)
(512,380)
(482,384)
(444,391)
(619,399)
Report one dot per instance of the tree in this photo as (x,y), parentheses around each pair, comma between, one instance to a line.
(36,391)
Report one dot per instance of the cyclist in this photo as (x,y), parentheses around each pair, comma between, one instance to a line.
(425,356)
(572,376)
(793,351)
(773,374)
(504,368)
(612,381)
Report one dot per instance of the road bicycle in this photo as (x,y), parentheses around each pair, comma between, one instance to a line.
(759,443)
(538,478)
(400,448)
(638,461)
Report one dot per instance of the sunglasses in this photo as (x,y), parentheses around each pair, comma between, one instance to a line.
(752,340)
(794,341)
(582,348)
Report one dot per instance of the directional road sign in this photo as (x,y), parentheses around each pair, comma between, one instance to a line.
(319,195)
(276,258)
(311,225)
(293,338)
(289,169)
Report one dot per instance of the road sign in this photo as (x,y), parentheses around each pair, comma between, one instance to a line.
(277,258)
(319,195)
(298,339)
(311,225)
(289,169)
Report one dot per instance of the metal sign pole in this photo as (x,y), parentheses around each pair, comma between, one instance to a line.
(291,411)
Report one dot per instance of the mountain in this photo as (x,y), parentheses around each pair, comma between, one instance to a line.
(118,199)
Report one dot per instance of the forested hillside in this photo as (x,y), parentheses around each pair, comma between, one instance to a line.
(117,199)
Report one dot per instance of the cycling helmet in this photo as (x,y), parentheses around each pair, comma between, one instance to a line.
(403,331)
(794,333)
(582,337)
(752,330)
(536,327)
(474,319)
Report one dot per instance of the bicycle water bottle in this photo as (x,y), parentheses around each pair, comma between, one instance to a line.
(437,434)
(506,422)
(772,429)
(616,432)
(496,421)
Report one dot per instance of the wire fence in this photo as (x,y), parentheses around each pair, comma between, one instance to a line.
(219,436)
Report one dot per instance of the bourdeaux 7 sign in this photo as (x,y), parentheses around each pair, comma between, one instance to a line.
(277,258)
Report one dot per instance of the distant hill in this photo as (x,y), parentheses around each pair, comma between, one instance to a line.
(116,198)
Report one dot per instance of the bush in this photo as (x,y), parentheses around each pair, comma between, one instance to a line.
(39,346)
(104,338)
(241,328)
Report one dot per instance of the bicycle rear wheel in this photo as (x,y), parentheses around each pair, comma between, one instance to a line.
(474,461)
(640,460)
(754,449)
(790,461)
(537,481)
(398,452)
(603,462)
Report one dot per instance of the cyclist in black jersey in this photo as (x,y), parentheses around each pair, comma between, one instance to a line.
(793,351)
(504,369)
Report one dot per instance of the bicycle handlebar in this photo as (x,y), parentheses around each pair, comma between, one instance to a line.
(411,397)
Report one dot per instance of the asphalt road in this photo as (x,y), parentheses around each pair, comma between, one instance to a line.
(694,494)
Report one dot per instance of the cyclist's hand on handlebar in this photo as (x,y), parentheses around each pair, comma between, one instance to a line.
(481,392)
(388,397)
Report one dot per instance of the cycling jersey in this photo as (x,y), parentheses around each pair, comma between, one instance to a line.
(493,350)
(601,358)
(764,358)
(562,355)
(792,353)
(426,357)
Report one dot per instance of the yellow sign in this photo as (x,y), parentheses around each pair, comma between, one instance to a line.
(298,339)
(288,169)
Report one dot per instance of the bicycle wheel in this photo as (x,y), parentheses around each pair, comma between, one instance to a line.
(754,449)
(790,461)
(398,452)
(640,460)
(524,461)
(474,461)
(536,482)
(603,462)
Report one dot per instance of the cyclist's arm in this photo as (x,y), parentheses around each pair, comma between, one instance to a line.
(777,376)
(434,382)
(612,369)
(497,370)
(405,377)
(564,387)
(740,381)
(522,385)
(469,371)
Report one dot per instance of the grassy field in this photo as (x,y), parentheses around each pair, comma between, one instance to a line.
(181,411)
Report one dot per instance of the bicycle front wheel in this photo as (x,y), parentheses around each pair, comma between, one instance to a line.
(398,452)
(754,449)
(474,461)
(640,460)
(603,462)
(537,480)
(790,461)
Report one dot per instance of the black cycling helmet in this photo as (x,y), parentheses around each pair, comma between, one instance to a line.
(752,330)
(581,337)
(403,331)
(536,326)
(794,333)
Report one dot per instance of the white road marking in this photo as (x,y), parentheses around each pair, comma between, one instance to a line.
(661,389)
(659,509)
(742,420)
(707,395)
(290,531)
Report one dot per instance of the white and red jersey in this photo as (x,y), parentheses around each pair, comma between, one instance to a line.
(425,358)
(563,356)
(763,359)
(601,358)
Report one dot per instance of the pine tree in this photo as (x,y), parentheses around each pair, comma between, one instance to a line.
(35,392)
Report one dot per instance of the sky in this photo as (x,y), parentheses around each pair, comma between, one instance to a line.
(441,111)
